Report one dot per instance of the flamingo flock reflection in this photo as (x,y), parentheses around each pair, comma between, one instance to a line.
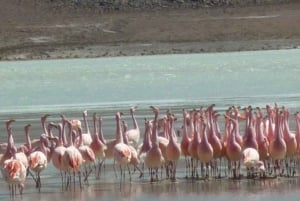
(258,140)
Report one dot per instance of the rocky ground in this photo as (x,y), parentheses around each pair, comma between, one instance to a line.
(52,29)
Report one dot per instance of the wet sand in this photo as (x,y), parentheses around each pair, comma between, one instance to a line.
(108,187)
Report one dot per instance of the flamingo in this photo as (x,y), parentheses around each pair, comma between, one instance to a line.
(146,145)
(14,171)
(86,137)
(97,145)
(291,142)
(261,138)
(36,142)
(173,150)
(58,153)
(277,143)
(233,148)
(205,150)
(154,158)
(9,144)
(121,152)
(249,138)
(185,141)
(134,154)
(237,116)
(26,148)
(213,138)
(87,153)
(76,124)
(271,123)
(72,157)
(297,131)
(38,161)
(133,134)
(194,143)
(251,160)
(19,155)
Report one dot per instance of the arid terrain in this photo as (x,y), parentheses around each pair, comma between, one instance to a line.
(36,30)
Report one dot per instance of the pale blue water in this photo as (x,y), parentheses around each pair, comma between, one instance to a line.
(107,85)
(243,78)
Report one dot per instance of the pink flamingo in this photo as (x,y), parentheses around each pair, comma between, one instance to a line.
(97,145)
(38,161)
(86,137)
(233,148)
(204,149)
(237,116)
(3,146)
(87,154)
(173,150)
(249,138)
(121,152)
(76,124)
(36,142)
(72,157)
(134,154)
(185,141)
(271,123)
(154,158)
(291,142)
(277,143)
(14,171)
(26,148)
(133,134)
(251,160)
(213,138)
(9,144)
(297,131)
(261,138)
(19,155)
(58,153)
(194,143)
(146,145)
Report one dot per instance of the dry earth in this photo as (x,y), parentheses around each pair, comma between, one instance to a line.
(31,30)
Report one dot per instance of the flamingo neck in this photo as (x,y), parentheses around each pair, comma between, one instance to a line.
(86,122)
(135,124)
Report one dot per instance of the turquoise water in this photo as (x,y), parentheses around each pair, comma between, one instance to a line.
(256,77)
(106,85)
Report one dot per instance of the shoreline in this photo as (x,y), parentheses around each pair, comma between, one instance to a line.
(147,49)
(44,30)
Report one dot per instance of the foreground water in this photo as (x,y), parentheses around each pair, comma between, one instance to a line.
(30,89)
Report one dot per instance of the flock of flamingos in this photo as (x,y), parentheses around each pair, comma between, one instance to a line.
(267,147)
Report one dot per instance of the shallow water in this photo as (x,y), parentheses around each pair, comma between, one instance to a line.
(30,89)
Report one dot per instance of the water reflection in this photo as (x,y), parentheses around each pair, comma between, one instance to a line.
(109,188)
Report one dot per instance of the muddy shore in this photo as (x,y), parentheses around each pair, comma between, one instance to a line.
(31,30)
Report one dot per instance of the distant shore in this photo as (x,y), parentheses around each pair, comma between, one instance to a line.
(37,30)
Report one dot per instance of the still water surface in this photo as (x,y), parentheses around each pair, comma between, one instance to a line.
(30,89)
